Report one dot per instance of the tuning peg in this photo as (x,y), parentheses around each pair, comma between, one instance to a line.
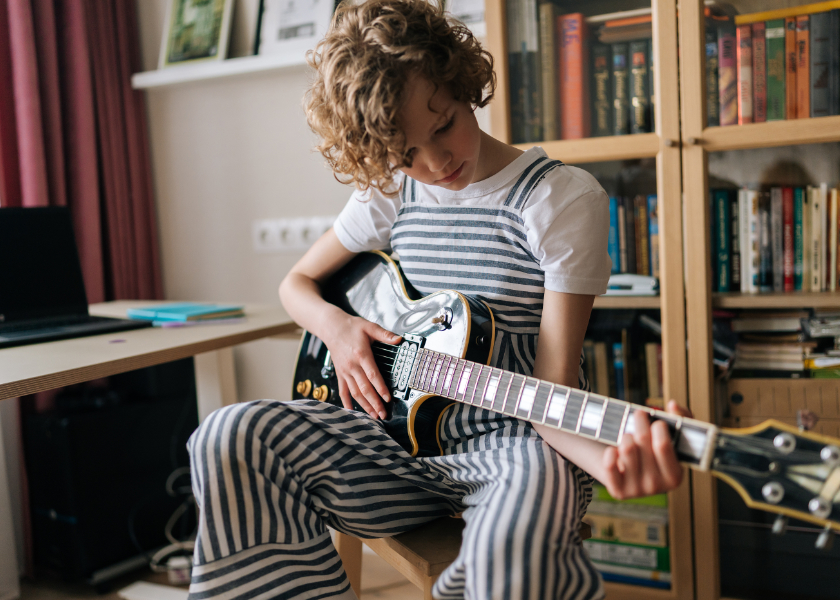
(826,539)
(780,525)
(806,420)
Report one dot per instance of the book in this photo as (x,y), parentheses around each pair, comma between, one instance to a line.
(759,72)
(622,235)
(753,257)
(720,198)
(642,235)
(618,370)
(832,241)
(787,238)
(633,576)
(184,311)
(612,241)
(820,63)
(777,238)
(639,93)
(602,109)
(602,369)
(782,321)
(653,228)
(625,359)
(621,91)
(824,237)
(712,94)
(632,555)
(807,261)
(816,241)
(727,75)
(791,57)
(653,353)
(834,64)
(651,85)
(575,117)
(549,70)
(798,238)
(630,224)
(835,199)
(776,69)
(783,13)
(744,60)
(589,365)
(523,71)
(612,528)
(765,272)
(803,67)
(604,503)
(734,244)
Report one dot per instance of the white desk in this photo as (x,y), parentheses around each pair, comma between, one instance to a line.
(40,367)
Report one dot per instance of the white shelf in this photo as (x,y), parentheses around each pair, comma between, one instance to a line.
(214,69)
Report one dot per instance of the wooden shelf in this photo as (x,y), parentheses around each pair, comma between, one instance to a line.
(774,133)
(619,147)
(214,69)
(627,302)
(777,300)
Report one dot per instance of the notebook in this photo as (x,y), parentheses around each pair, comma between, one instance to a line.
(42,293)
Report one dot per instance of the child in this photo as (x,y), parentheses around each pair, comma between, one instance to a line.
(393,99)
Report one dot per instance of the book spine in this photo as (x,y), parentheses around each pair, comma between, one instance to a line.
(787,238)
(727,76)
(622,235)
(643,237)
(820,63)
(631,555)
(721,200)
(765,243)
(639,95)
(790,68)
(612,243)
(548,70)
(620,91)
(777,233)
(759,73)
(602,90)
(775,44)
(823,221)
(755,242)
(516,82)
(712,94)
(744,238)
(602,369)
(816,241)
(651,85)
(649,532)
(734,244)
(743,50)
(574,76)
(654,391)
(618,369)
(796,9)
(798,249)
(835,198)
(834,64)
(653,220)
(803,67)
(806,238)
(630,223)
(832,241)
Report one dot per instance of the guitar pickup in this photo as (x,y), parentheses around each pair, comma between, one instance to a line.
(405,362)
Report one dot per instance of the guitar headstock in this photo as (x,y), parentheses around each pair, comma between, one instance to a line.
(778,468)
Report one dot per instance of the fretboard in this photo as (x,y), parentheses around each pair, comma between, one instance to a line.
(572,410)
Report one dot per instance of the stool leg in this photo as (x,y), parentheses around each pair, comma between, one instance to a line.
(427,587)
(350,550)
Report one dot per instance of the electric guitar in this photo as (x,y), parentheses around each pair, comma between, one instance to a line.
(443,356)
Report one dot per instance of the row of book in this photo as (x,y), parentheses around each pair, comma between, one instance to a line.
(629,542)
(787,343)
(615,370)
(777,239)
(569,83)
(773,65)
(633,242)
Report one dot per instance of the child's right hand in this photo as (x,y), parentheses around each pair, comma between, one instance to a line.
(349,340)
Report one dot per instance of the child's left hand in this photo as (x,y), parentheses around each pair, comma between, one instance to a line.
(644,463)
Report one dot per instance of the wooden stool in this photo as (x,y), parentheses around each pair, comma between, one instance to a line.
(419,555)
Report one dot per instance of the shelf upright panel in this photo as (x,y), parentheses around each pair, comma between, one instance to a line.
(496,21)
(698,297)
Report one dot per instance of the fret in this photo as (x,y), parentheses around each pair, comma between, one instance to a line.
(557,409)
(582,412)
(590,421)
(530,405)
(623,424)
(433,383)
(475,385)
(461,390)
(518,396)
(611,422)
(450,376)
(490,388)
(548,402)
(505,394)
(444,372)
(601,418)
(526,397)
(415,369)
(427,362)
(574,402)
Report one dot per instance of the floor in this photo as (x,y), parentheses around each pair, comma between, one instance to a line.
(379,582)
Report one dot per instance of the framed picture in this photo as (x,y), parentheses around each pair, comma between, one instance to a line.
(291,26)
(195,30)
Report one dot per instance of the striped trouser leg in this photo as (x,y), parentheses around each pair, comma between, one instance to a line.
(270,476)
(521,539)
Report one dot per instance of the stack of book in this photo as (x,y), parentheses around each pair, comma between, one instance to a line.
(773,65)
(186,313)
(629,542)
(778,239)
(634,235)
(572,76)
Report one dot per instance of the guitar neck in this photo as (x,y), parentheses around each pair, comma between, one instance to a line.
(606,420)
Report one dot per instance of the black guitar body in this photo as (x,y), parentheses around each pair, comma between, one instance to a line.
(372,286)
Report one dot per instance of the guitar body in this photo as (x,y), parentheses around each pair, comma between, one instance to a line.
(373,287)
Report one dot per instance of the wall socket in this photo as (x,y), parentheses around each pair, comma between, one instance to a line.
(288,235)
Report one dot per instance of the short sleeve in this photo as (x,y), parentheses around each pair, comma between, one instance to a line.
(568,224)
(365,222)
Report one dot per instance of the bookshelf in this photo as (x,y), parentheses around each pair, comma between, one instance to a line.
(663,145)
(699,141)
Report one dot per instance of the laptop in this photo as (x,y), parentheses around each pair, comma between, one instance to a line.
(42,293)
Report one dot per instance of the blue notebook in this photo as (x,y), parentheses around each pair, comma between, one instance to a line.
(185,311)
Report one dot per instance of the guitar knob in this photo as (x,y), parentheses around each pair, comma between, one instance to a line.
(304,387)
(773,492)
(826,539)
(780,525)
(830,455)
(481,340)
(321,393)
(785,443)
(819,507)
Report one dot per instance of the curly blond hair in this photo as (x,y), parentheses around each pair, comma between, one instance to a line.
(362,66)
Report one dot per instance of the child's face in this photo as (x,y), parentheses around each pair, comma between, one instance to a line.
(441,134)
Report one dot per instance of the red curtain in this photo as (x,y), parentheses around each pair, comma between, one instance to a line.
(73,132)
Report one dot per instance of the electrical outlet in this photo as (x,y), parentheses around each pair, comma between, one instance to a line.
(288,235)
